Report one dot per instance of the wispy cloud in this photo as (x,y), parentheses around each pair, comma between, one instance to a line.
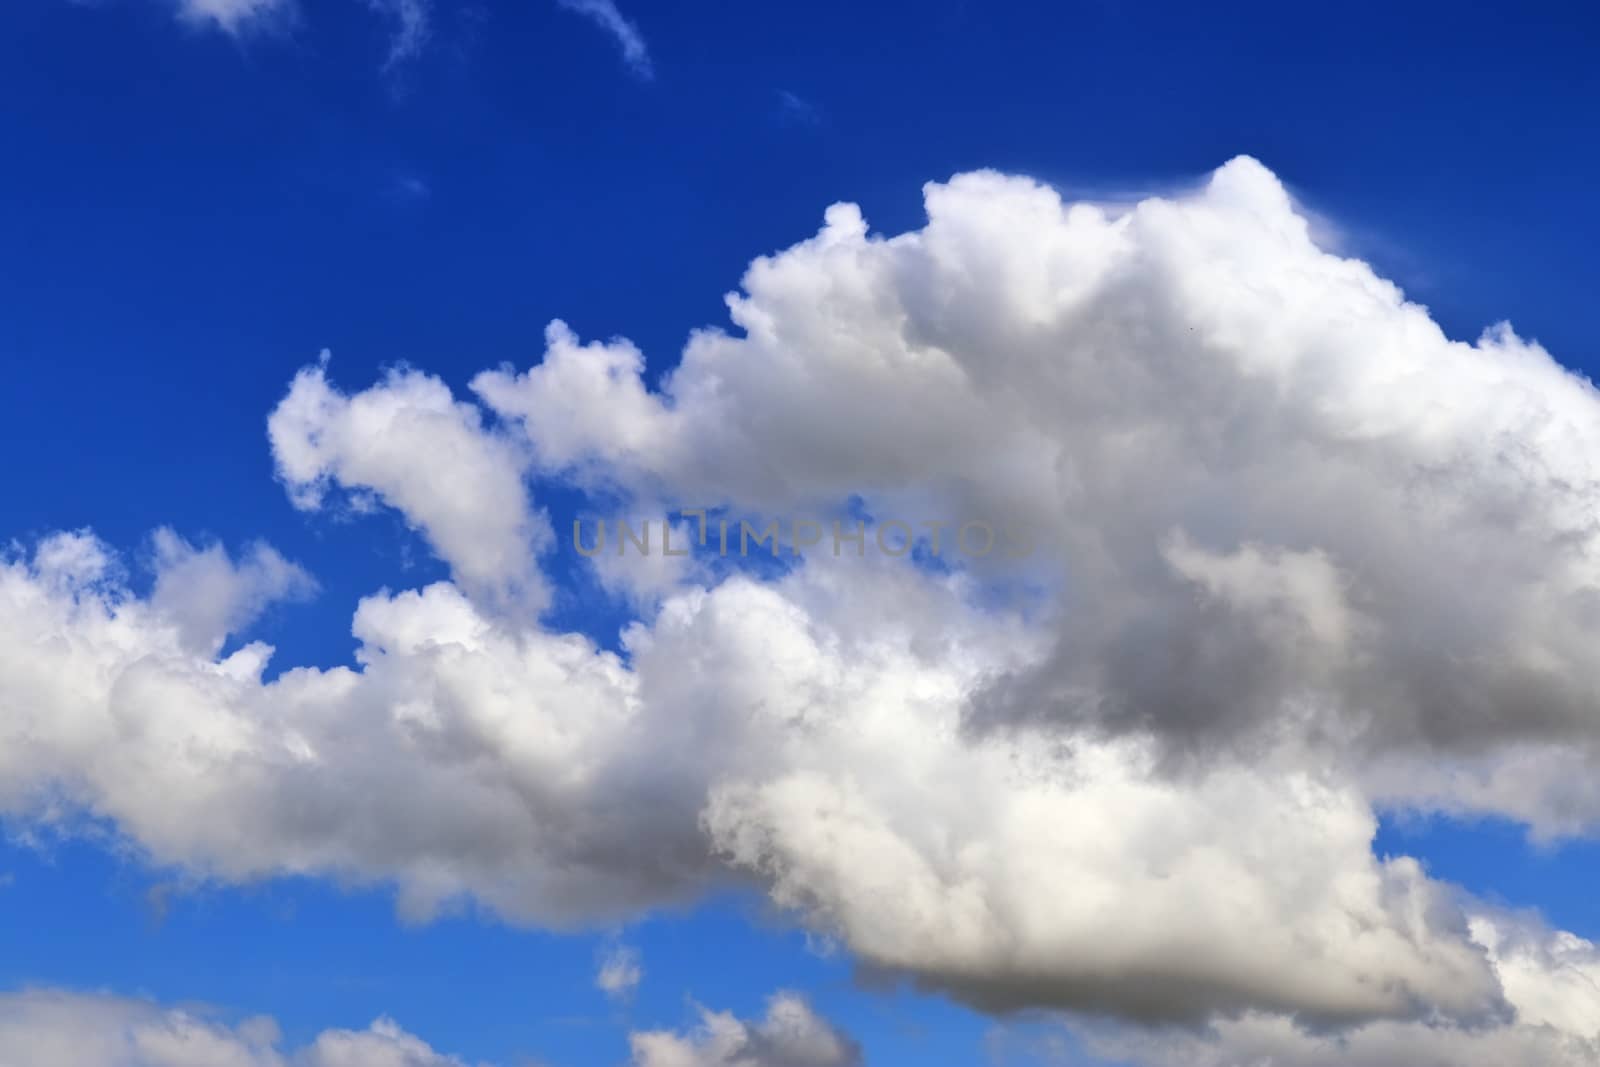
(792,107)
(620,972)
(409,189)
(604,14)
(413,25)
(237,17)
(412,21)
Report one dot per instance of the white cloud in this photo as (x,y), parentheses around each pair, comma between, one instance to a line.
(1264,476)
(630,41)
(412,26)
(411,21)
(641,559)
(466,755)
(1551,980)
(383,1044)
(805,732)
(407,441)
(237,17)
(1263,471)
(791,1035)
(620,972)
(48,1027)
(209,597)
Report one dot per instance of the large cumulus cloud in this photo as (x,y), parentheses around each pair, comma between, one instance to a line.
(1300,555)
(1280,495)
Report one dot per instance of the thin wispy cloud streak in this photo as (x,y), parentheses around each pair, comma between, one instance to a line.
(794,108)
(604,13)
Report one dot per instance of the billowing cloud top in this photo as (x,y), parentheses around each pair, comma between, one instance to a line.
(1299,556)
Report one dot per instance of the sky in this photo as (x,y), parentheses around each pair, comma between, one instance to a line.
(322,743)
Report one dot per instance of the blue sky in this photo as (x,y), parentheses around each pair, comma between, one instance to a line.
(191,211)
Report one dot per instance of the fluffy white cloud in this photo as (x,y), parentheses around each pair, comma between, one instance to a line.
(207,596)
(464,755)
(1551,982)
(411,20)
(791,1035)
(807,732)
(55,1028)
(410,444)
(640,560)
(1262,477)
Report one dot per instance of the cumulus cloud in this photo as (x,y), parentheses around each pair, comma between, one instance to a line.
(640,560)
(604,13)
(46,1027)
(408,443)
(465,755)
(1263,473)
(1551,981)
(804,732)
(790,1035)
(208,596)
(1295,545)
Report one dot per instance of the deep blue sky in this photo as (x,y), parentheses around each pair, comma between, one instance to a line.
(185,219)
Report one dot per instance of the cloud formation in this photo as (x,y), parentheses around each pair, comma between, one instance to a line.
(209,596)
(790,1035)
(47,1027)
(620,972)
(1146,792)
(604,13)
(237,17)
(1263,473)
(407,443)
(1550,979)
(805,733)
(412,21)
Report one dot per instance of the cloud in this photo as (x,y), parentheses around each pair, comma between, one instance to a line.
(411,19)
(208,596)
(1551,980)
(604,13)
(796,108)
(49,1026)
(465,755)
(791,1035)
(801,732)
(620,972)
(639,575)
(412,27)
(237,18)
(1260,479)
(1258,472)
(408,443)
